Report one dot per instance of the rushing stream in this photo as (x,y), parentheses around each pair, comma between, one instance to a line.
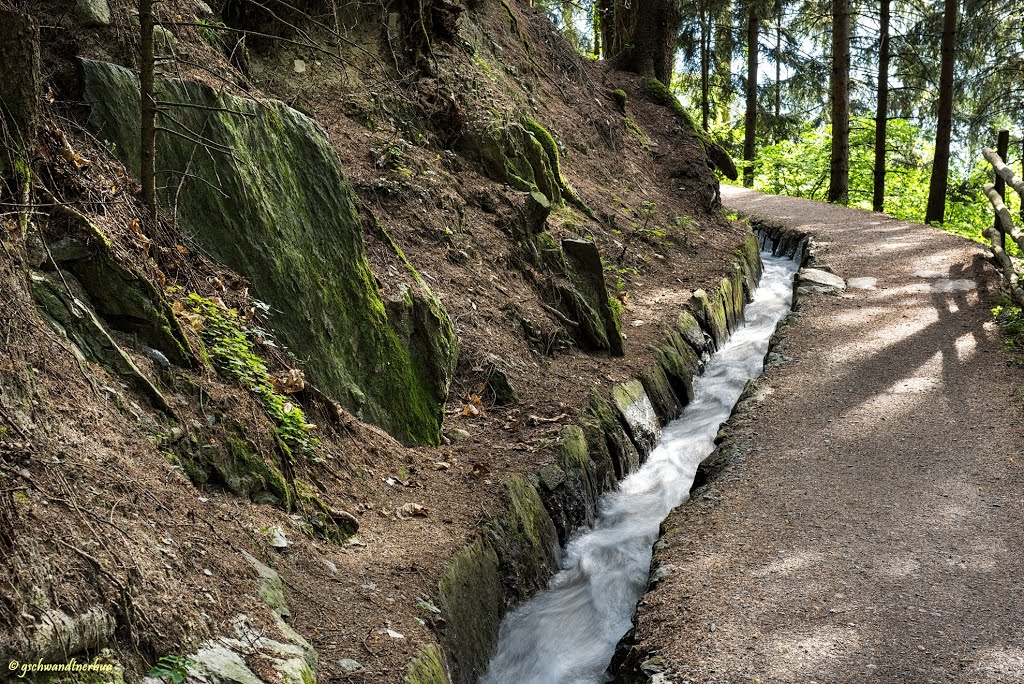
(567,633)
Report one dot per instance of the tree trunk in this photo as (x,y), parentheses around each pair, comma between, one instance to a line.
(777,125)
(19,88)
(839,169)
(651,49)
(882,109)
(723,53)
(147,108)
(750,120)
(19,107)
(595,22)
(705,65)
(940,167)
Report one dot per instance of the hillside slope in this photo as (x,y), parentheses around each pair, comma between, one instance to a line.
(397,260)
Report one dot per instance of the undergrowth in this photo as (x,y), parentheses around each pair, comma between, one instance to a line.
(224,335)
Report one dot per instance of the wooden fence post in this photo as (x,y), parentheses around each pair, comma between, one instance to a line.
(1002,149)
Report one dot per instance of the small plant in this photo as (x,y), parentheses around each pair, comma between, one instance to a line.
(172,669)
(643,226)
(209,31)
(222,331)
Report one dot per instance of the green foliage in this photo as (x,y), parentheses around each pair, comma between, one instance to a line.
(228,345)
(209,30)
(799,167)
(172,669)
(1011,320)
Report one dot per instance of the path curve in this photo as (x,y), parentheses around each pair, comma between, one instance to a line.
(871,528)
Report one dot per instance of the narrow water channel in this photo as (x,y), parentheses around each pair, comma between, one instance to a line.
(567,633)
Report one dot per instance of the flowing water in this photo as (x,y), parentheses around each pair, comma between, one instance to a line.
(567,633)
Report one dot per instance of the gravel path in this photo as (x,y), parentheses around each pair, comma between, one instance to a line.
(870,528)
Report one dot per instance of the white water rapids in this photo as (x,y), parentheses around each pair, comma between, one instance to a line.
(567,633)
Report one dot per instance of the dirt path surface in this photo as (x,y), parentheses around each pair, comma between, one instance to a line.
(870,526)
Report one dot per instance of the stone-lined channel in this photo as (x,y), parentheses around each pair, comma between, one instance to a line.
(567,633)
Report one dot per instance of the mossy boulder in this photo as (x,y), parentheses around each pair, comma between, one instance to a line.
(586,271)
(525,539)
(93,12)
(638,414)
(267,196)
(680,363)
(64,304)
(725,296)
(750,254)
(572,501)
(693,334)
(512,155)
(271,586)
(602,464)
(427,668)
(130,304)
(625,458)
(708,309)
(659,390)
(473,604)
(554,160)
(739,297)
(234,463)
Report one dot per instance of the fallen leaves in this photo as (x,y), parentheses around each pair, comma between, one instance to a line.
(289,381)
(473,408)
(410,510)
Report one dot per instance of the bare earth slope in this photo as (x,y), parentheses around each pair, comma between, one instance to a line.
(869,528)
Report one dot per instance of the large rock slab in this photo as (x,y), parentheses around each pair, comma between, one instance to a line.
(267,196)
(819,281)
(638,414)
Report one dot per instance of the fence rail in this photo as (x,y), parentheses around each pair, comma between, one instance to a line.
(1004,226)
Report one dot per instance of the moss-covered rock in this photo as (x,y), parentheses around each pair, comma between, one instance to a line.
(625,457)
(659,390)
(427,668)
(603,467)
(64,304)
(638,415)
(525,539)
(586,272)
(725,299)
(288,222)
(620,98)
(512,155)
(691,332)
(680,364)
(131,305)
(234,463)
(572,502)
(554,159)
(710,312)
(750,254)
(271,586)
(473,604)
(658,93)
(739,298)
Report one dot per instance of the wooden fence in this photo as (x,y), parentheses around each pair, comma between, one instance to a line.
(1004,226)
